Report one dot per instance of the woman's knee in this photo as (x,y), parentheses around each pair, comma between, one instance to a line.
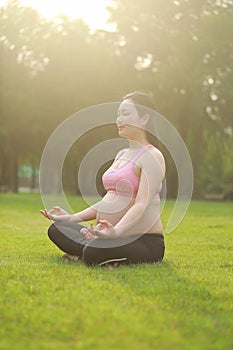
(52,231)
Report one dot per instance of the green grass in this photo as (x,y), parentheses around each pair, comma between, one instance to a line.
(183,303)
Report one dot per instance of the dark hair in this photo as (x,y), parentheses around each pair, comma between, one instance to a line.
(141,99)
(145,104)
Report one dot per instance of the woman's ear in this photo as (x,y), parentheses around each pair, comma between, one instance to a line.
(144,120)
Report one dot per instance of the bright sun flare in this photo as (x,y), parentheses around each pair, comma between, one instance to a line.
(93,12)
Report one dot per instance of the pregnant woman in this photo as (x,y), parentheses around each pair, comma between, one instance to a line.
(128,226)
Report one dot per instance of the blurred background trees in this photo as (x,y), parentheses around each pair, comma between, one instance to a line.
(181,50)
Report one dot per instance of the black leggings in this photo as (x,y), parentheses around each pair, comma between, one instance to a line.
(144,248)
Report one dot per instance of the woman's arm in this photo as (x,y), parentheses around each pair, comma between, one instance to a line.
(59,214)
(91,212)
(84,215)
(152,174)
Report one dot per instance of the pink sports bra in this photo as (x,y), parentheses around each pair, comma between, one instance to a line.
(123,180)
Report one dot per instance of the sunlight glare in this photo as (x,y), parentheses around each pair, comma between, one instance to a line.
(93,12)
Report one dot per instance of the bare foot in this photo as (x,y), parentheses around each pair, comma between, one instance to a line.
(113,265)
(70,257)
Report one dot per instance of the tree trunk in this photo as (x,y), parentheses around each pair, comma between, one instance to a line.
(13,167)
(33,177)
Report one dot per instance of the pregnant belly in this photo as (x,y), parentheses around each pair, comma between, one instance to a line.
(113,207)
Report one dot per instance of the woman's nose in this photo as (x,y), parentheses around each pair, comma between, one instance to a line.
(119,119)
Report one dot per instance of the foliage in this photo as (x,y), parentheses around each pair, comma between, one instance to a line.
(179,50)
(184,51)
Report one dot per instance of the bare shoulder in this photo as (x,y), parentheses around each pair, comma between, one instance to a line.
(156,152)
(158,156)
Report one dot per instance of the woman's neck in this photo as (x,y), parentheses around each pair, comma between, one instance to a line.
(138,143)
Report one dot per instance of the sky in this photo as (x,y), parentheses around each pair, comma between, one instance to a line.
(93,12)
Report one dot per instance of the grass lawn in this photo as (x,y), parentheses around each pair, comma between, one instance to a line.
(49,303)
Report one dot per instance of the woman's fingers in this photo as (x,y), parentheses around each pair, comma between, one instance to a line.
(99,234)
(91,228)
(106,223)
(56,207)
(89,235)
(91,231)
(57,217)
(59,210)
(85,232)
(45,213)
(51,211)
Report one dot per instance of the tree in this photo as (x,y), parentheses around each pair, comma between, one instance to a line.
(20,61)
(182,51)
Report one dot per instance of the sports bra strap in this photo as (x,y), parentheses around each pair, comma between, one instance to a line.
(137,155)
(120,154)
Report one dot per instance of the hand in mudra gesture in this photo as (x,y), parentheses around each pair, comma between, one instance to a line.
(104,229)
(56,214)
(102,224)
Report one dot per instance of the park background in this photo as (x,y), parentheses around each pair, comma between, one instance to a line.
(181,51)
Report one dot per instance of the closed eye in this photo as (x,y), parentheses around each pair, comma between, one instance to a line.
(123,112)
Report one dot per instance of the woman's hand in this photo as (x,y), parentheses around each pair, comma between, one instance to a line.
(56,214)
(85,232)
(102,224)
(103,229)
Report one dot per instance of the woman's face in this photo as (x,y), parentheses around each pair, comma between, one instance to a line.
(128,120)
